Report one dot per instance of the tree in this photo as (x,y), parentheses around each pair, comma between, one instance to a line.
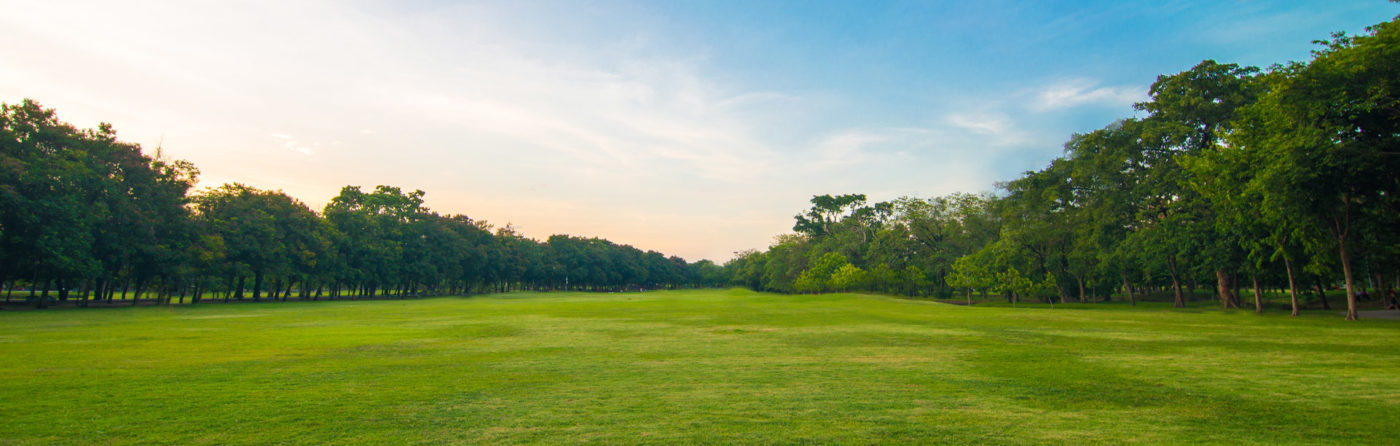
(818,277)
(849,277)
(80,206)
(1105,176)
(264,233)
(1191,112)
(971,273)
(826,211)
(1331,132)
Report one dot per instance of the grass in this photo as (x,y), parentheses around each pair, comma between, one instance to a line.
(716,366)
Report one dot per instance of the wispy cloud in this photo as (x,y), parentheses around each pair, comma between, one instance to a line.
(291,143)
(567,117)
(991,129)
(844,150)
(448,101)
(1079,92)
(983,124)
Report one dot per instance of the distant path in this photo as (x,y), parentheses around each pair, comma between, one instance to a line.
(1379,314)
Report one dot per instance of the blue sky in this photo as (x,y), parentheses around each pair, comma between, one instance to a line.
(693,128)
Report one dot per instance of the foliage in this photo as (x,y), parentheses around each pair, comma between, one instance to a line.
(84,212)
(1285,176)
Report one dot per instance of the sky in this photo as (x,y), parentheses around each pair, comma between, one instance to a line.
(694,128)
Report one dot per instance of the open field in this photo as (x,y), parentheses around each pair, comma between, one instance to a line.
(716,366)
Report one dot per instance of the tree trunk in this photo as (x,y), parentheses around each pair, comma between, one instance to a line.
(1346,272)
(1128,288)
(1292,289)
(1081,289)
(1176,284)
(1322,293)
(257,285)
(1223,282)
(136,295)
(1259,304)
(1235,282)
(83,292)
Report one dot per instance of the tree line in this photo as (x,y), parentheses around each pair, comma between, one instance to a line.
(1282,178)
(88,218)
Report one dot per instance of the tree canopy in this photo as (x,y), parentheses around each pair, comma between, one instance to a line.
(83,212)
(1279,177)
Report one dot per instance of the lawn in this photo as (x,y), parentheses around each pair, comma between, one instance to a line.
(715,366)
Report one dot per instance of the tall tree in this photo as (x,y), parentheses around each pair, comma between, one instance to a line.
(1335,126)
(1191,112)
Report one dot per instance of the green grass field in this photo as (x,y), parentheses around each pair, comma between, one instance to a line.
(717,366)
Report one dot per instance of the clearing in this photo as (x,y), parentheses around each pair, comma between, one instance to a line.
(706,366)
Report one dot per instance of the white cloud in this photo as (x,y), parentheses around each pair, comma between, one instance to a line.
(290,143)
(982,124)
(989,130)
(609,138)
(845,150)
(445,101)
(1079,92)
